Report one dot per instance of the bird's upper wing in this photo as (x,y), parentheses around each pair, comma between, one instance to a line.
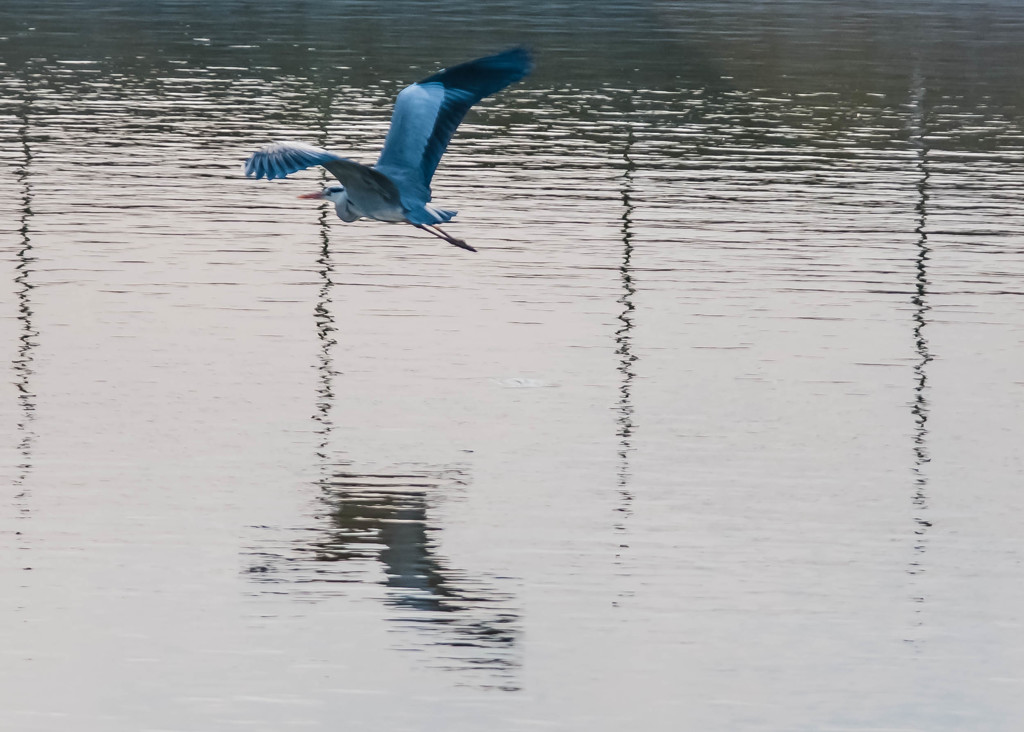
(427,113)
(279,159)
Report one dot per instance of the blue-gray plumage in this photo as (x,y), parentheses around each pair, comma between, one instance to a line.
(426,115)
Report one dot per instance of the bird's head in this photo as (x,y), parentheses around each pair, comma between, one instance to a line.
(333,194)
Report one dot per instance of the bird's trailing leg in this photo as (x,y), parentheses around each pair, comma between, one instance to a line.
(436,231)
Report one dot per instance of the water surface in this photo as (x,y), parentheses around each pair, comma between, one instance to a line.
(719,431)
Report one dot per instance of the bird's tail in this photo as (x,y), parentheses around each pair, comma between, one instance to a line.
(430,214)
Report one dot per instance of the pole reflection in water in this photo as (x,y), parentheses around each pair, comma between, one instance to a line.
(22,364)
(325,326)
(623,336)
(919,405)
(325,329)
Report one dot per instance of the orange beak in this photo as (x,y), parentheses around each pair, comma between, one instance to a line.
(317,195)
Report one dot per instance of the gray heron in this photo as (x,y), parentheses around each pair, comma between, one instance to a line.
(397,187)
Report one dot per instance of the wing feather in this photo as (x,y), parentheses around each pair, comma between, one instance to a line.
(280,159)
(428,112)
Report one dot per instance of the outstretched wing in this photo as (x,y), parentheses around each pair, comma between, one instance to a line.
(279,159)
(427,113)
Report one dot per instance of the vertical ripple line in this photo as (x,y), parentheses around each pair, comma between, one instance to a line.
(623,335)
(324,318)
(920,406)
(23,286)
(325,329)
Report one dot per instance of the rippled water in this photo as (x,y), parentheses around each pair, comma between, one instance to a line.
(720,430)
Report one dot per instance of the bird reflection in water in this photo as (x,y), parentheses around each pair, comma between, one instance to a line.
(384,517)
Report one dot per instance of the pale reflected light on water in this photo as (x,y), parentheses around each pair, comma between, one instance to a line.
(720,430)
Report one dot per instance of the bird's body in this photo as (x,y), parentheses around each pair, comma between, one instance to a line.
(397,187)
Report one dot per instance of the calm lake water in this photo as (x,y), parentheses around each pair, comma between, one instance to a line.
(721,429)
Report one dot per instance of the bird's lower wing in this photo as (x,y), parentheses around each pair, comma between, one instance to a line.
(279,159)
(361,179)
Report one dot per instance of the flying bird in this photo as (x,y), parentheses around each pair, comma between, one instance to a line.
(397,187)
